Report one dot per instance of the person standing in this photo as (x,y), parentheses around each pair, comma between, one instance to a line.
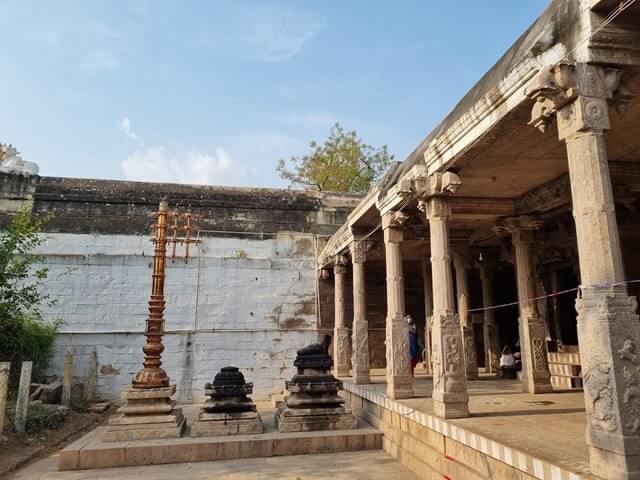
(415,347)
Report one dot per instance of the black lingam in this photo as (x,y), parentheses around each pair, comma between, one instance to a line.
(228,393)
(228,410)
(313,402)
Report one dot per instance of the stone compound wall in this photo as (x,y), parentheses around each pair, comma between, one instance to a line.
(247,296)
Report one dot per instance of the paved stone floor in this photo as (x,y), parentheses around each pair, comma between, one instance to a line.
(549,426)
(370,465)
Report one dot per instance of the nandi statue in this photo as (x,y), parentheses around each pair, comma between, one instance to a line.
(11,162)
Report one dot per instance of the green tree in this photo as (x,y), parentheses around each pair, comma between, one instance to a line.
(343,163)
(24,335)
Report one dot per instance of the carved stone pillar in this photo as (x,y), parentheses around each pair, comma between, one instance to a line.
(428,312)
(533,348)
(490,330)
(450,397)
(468,338)
(608,326)
(340,330)
(360,327)
(399,378)
(555,308)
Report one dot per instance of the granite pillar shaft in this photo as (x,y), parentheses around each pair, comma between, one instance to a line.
(468,337)
(428,312)
(340,331)
(360,327)
(608,325)
(450,397)
(489,328)
(399,377)
(535,368)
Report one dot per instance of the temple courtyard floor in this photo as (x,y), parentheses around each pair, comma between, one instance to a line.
(542,436)
(371,465)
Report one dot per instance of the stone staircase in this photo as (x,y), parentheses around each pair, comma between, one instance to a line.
(566,371)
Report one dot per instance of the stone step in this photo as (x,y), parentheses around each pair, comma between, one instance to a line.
(564,370)
(564,358)
(91,452)
(566,382)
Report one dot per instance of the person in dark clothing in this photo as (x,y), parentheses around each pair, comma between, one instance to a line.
(415,346)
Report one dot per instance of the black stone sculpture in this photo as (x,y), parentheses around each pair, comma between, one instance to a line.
(313,402)
(228,393)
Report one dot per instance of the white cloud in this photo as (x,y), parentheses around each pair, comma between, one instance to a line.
(277,34)
(124,125)
(264,33)
(157,164)
(100,61)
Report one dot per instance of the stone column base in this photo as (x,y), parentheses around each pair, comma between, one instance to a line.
(149,413)
(237,423)
(451,409)
(399,388)
(341,352)
(399,378)
(360,355)
(312,419)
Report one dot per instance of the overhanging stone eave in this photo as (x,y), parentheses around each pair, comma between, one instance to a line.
(442,152)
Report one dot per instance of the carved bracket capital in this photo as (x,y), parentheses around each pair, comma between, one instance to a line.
(394,219)
(358,251)
(511,225)
(581,94)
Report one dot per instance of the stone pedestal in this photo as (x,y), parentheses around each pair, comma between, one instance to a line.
(148,413)
(22,403)
(228,410)
(4,386)
(313,402)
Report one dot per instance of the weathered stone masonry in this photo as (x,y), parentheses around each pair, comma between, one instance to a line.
(247,297)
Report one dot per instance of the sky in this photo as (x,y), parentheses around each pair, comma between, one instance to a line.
(216,92)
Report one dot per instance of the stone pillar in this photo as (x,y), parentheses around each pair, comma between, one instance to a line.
(557,329)
(67,379)
(428,312)
(5,368)
(340,330)
(533,346)
(489,328)
(360,326)
(399,378)
(468,337)
(608,326)
(450,397)
(22,404)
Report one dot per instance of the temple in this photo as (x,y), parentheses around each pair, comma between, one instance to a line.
(514,223)
(523,198)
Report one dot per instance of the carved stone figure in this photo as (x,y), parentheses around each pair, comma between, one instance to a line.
(11,162)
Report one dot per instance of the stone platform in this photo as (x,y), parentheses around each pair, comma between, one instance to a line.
(92,452)
(238,423)
(509,435)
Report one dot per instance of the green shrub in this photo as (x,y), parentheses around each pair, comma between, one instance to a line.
(44,417)
(24,335)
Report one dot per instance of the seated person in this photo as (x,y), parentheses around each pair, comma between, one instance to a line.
(508,363)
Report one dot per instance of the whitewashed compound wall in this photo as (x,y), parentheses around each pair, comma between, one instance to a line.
(247,303)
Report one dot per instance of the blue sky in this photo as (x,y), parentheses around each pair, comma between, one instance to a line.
(216,92)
